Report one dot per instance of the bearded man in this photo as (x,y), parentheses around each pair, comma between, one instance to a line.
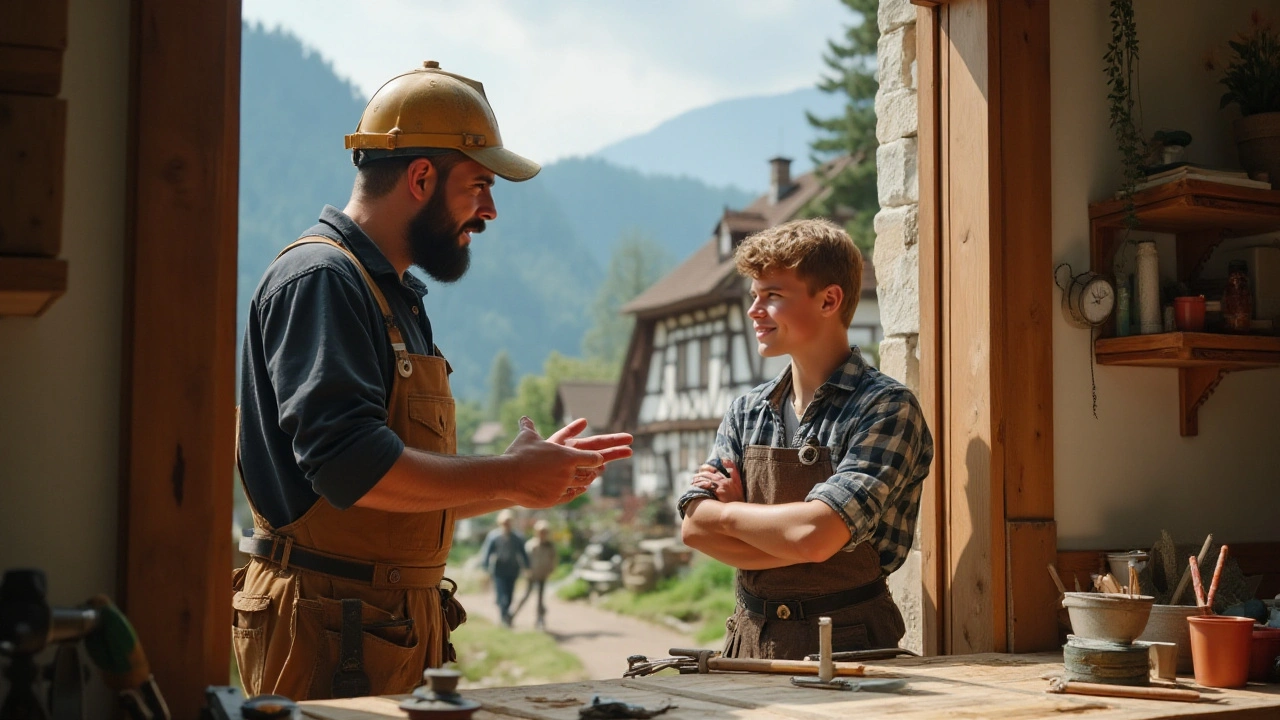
(347,439)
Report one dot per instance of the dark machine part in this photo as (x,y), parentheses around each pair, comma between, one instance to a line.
(28,624)
(439,698)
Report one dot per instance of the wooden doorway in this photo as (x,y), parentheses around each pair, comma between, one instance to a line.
(177,416)
(985,332)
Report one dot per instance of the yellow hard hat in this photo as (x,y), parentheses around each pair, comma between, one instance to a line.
(428,108)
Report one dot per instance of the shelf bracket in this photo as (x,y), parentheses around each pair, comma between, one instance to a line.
(1195,385)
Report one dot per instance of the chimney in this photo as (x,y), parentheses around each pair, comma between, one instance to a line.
(779,179)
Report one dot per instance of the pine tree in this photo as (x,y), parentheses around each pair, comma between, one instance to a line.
(638,261)
(852,72)
(502,384)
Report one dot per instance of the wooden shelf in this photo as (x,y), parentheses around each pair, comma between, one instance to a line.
(28,286)
(1200,215)
(1185,350)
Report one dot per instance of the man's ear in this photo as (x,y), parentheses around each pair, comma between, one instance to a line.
(832,298)
(422,176)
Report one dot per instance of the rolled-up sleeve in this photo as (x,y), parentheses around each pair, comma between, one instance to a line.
(877,483)
(324,368)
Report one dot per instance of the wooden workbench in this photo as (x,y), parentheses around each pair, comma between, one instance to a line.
(1005,687)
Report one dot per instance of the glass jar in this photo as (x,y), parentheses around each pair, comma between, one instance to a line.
(1237,301)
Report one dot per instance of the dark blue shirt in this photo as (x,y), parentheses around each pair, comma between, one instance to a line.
(317,370)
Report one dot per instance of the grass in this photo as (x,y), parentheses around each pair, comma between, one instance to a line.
(493,656)
(704,595)
(575,589)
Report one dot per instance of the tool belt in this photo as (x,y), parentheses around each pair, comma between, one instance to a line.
(811,607)
(282,551)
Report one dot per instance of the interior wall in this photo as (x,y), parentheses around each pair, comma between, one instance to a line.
(60,373)
(1125,476)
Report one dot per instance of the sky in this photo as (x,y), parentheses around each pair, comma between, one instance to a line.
(568,77)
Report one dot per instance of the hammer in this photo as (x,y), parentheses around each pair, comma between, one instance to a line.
(827,680)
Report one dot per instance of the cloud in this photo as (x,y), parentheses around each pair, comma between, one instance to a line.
(568,77)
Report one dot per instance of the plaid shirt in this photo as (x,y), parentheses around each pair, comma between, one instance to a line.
(880,449)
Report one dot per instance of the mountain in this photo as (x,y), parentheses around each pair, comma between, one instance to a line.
(715,145)
(605,201)
(535,270)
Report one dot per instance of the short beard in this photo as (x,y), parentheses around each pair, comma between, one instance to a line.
(434,239)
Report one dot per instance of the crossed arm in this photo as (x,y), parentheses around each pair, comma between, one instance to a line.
(752,536)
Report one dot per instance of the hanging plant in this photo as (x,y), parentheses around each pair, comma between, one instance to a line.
(1122,73)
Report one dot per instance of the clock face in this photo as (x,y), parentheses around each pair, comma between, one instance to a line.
(1097,301)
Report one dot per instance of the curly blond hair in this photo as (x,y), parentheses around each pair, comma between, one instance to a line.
(820,252)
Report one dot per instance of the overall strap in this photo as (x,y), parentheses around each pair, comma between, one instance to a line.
(403,365)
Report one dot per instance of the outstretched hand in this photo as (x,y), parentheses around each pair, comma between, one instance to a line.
(551,471)
(727,489)
(613,446)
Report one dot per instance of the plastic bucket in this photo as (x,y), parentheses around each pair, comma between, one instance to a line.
(1220,646)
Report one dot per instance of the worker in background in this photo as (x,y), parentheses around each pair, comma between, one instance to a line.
(543,558)
(813,487)
(347,433)
(503,556)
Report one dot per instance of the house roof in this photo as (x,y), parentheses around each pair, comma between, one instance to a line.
(704,272)
(585,399)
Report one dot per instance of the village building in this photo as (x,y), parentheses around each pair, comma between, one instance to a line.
(592,400)
(692,350)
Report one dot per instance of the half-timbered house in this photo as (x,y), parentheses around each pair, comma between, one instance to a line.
(692,350)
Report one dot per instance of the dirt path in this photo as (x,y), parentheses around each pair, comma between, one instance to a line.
(601,639)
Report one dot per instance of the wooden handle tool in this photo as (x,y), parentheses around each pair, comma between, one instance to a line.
(1217,574)
(1072,687)
(782,667)
(1186,574)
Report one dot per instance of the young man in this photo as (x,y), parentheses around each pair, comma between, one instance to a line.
(347,439)
(813,487)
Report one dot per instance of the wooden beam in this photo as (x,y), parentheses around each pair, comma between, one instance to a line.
(34,23)
(32,153)
(30,70)
(933,500)
(1030,548)
(177,434)
(28,286)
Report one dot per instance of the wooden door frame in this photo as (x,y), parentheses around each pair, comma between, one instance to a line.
(986,339)
(178,385)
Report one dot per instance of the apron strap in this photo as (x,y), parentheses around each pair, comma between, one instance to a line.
(350,679)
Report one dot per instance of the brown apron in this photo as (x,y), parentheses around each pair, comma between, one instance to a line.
(773,476)
(307,634)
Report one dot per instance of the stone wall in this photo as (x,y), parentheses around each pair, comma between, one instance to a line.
(896,255)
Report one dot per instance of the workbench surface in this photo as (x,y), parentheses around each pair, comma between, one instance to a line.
(1005,687)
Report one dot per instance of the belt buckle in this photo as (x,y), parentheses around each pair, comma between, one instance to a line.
(783,610)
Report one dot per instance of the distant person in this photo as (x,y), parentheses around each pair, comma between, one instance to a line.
(504,557)
(813,487)
(347,437)
(542,562)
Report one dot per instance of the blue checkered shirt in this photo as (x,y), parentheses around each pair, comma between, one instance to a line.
(880,449)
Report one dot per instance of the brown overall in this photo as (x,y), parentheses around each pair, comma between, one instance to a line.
(775,476)
(307,634)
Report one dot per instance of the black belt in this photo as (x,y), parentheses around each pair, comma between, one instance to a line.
(277,551)
(811,607)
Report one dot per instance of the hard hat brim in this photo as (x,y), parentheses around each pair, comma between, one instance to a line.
(504,163)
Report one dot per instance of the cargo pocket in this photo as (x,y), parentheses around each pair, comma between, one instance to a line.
(250,616)
(433,424)
(850,637)
(392,657)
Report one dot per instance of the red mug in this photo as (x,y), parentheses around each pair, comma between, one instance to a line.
(1188,312)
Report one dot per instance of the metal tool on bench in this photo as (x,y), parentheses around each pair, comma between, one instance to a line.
(827,680)
(703,661)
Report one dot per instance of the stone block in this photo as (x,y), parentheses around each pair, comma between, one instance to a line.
(904,584)
(896,180)
(895,58)
(899,359)
(898,289)
(896,115)
(893,14)
(897,227)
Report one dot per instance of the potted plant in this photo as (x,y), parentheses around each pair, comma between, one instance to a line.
(1251,74)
